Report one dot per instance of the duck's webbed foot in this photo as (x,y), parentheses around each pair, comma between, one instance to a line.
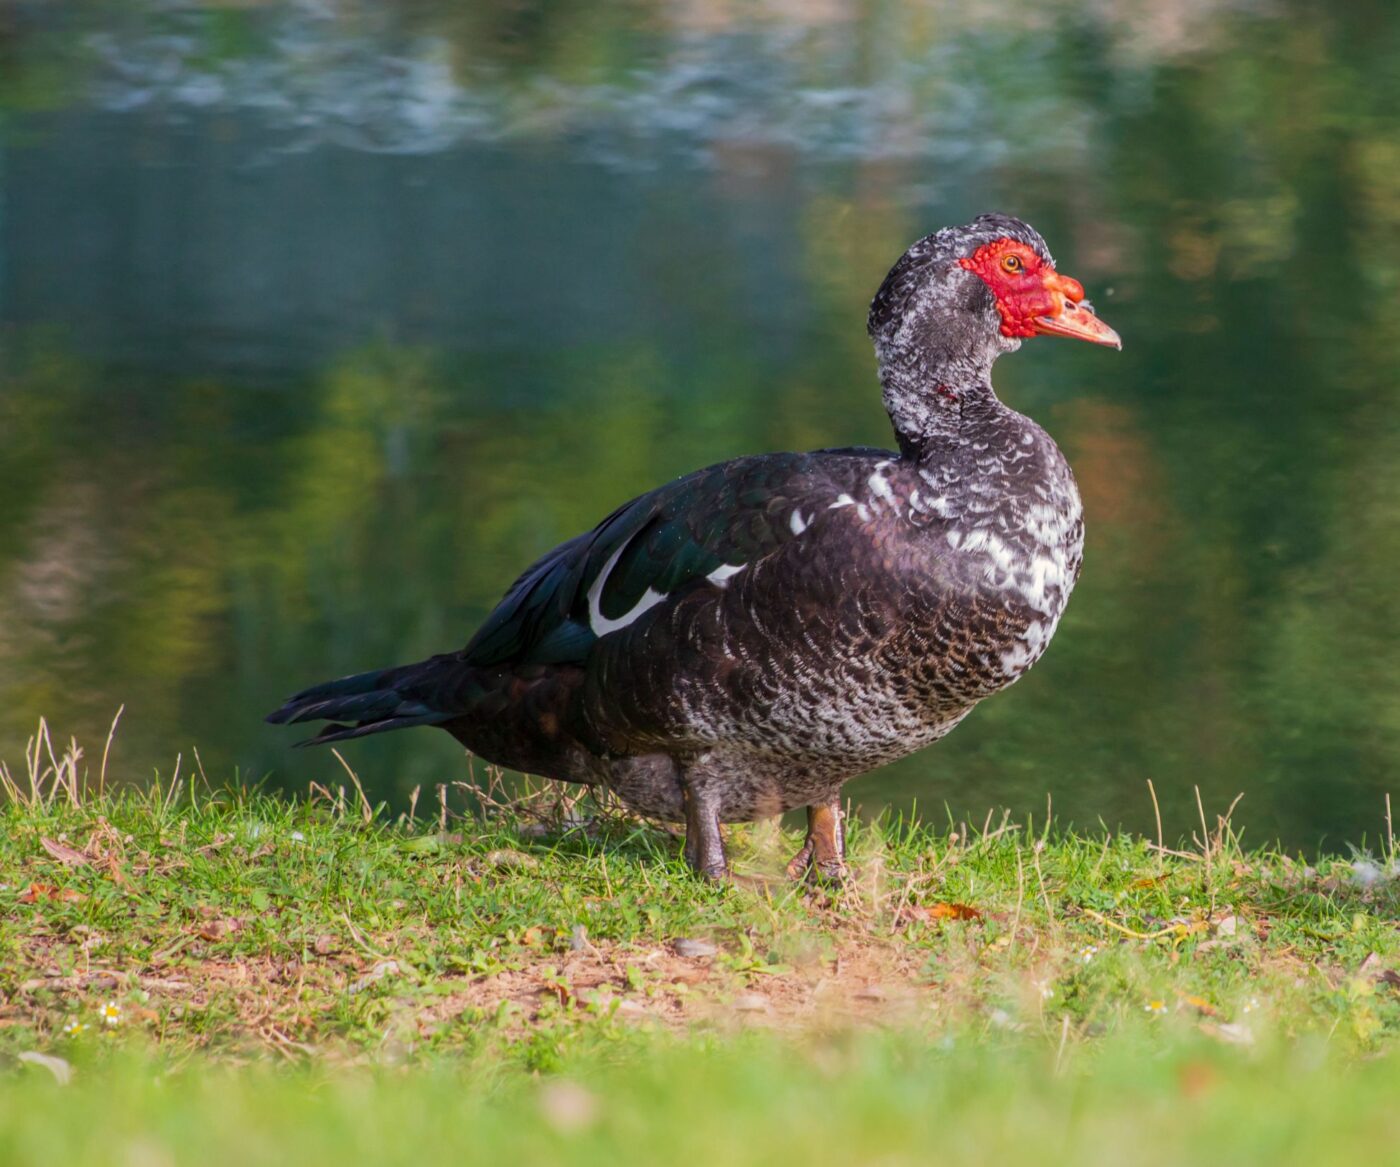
(704,845)
(823,854)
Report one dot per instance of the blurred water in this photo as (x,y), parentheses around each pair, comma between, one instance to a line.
(320,320)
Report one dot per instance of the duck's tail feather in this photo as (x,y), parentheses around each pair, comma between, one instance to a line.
(375,702)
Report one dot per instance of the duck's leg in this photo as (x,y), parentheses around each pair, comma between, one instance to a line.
(704,845)
(823,854)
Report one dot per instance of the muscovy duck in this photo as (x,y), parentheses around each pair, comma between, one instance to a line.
(746,639)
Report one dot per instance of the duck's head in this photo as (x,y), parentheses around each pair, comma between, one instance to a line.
(973,292)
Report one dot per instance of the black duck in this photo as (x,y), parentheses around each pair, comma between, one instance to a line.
(746,639)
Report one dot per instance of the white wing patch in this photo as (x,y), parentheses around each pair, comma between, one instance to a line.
(797,522)
(600,624)
(880,485)
(720,576)
(845,500)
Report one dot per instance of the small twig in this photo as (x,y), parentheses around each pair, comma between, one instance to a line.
(71,758)
(1169,930)
(1020,896)
(174,790)
(285,1045)
(1005,828)
(1157,813)
(359,938)
(365,809)
(607,879)
(1389,828)
(106,750)
(905,896)
(1206,848)
(199,766)
(1040,878)
(1064,1037)
(69,764)
(1223,824)
(1191,855)
(31,764)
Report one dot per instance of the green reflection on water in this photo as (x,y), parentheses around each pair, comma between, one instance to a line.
(316,331)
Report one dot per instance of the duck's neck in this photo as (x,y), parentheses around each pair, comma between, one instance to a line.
(933,403)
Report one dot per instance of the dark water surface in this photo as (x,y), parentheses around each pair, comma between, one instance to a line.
(321,320)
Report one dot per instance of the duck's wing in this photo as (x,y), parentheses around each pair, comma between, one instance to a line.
(697,531)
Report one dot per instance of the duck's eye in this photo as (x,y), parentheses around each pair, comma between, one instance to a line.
(1011,263)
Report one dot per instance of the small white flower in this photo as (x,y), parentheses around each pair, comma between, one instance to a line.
(74,1028)
(1088,952)
(1046,991)
(1156,1007)
(297,837)
(1251,1006)
(111,1014)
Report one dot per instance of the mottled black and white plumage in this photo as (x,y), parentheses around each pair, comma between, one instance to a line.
(744,640)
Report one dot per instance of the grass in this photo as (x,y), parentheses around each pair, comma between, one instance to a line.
(312,978)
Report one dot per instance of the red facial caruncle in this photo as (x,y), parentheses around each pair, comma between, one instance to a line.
(1032,297)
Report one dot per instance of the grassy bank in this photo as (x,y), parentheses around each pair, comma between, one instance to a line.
(275,977)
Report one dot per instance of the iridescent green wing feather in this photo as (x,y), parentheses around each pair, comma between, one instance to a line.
(649,550)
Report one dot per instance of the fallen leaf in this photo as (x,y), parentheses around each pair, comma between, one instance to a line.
(1390,977)
(561,992)
(218,929)
(952,911)
(46,891)
(689,976)
(1200,1004)
(1148,881)
(68,856)
(61,1070)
